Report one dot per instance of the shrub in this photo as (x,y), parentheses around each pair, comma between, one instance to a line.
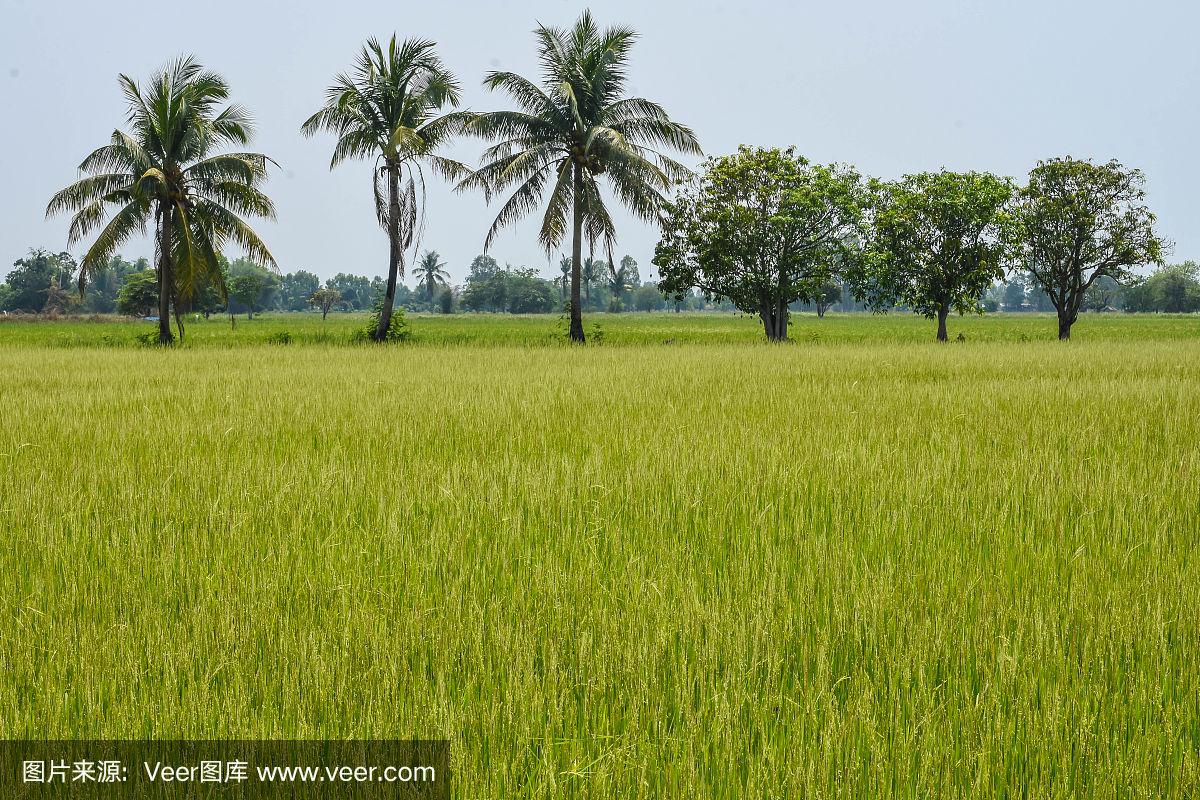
(397,326)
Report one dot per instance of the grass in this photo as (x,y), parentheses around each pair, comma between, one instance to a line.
(490,330)
(729,570)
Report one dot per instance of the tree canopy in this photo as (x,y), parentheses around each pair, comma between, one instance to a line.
(390,110)
(939,241)
(166,169)
(764,228)
(1080,221)
(577,126)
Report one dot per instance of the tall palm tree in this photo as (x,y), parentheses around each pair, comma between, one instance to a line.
(577,126)
(165,169)
(388,110)
(618,284)
(564,266)
(430,272)
(589,275)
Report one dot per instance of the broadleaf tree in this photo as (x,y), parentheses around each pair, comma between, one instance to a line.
(764,228)
(938,242)
(1080,221)
(325,299)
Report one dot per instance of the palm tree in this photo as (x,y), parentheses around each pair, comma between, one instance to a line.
(564,266)
(577,126)
(388,110)
(431,273)
(618,284)
(589,275)
(165,168)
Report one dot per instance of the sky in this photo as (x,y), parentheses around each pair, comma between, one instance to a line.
(892,88)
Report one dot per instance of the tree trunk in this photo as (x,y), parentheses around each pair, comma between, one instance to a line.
(577,255)
(820,311)
(1066,318)
(942,313)
(774,321)
(165,276)
(396,255)
(324,314)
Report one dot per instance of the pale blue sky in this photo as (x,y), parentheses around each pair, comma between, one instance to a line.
(890,87)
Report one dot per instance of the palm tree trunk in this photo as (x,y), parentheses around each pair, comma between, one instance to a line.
(396,255)
(577,256)
(165,277)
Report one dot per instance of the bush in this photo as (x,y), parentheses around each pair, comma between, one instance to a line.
(397,326)
(147,339)
(279,337)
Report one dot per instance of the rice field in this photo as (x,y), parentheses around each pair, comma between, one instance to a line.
(859,565)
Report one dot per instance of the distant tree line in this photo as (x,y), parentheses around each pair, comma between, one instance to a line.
(46,282)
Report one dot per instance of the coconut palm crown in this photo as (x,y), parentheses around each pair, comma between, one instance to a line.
(430,273)
(574,128)
(166,167)
(389,109)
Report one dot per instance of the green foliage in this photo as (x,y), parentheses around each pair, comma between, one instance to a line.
(279,337)
(28,282)
(106,281)
(356,291)
(1079,222)
(430,273)
(57,299)
(939,241)
(389,110)
(623,330)
(632,276)
(1015,293)
(140,178)
(139,294)
(251,287)
(648,297)
(573,127)
(828,294)
(325,299)
(296,288)
(1105,294)
(1172,289)
(397,330)
(515,290)
(446,301)
(482,267)
(763,228)
(618,283)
